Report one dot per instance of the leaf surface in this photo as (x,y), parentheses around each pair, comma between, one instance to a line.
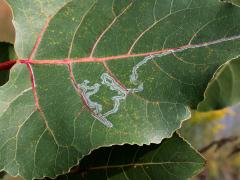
(86,66)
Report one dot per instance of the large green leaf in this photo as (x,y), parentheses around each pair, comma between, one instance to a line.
(134,65)
(223,89)
(172,159)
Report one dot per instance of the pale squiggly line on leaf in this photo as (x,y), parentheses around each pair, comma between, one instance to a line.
(109,81)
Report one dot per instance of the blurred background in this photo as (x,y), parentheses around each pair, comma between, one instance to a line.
(6,28)
(215,134)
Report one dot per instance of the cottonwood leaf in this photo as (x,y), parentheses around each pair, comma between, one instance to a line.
(172,159)
(223,89)
(97,73)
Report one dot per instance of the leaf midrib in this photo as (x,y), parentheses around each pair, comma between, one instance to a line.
(163,52)
(141,165)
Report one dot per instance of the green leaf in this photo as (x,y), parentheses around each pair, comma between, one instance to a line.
(223,89)
(133,65)
(172,159)
(234,2)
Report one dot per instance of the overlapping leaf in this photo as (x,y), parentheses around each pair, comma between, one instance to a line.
(136,65)
(234,2)
(223,89)
(172,159)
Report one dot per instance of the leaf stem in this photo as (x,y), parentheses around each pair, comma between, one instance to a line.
(7,65)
